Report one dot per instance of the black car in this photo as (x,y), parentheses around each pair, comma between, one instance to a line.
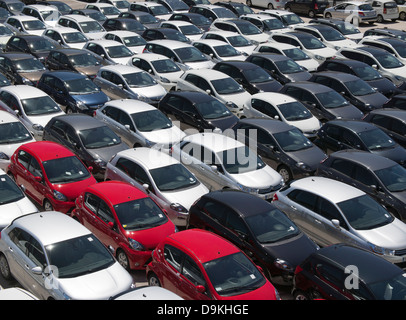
(124,24)
(91,13)
(237,8)
(307,7)
(364,71)
(397,101)
(392,121)
(197,110)
(357,91)
(342,272)
(145,18)
(281,67)
(282,146)
(257,227)
(164,33)
(338,135)
(346,28)
(386,32)
(252,77)
(38,46)
(197,19)
(380,177)
(323,102)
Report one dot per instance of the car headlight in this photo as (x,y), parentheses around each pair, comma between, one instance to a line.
(59,196)
(248,189)
(178,208)
(27,81)
(164,80)
(283,265)
(381,251)
(319,57)
(37,127)
(232,105)
(3,156)
(81,105)
(135,245)
(303,166)
(100,162)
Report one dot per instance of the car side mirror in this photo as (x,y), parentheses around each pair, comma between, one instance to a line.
(200,288)
(90,168)
(127,126)
(38,178)
(214,168)
(36,270)
(335,223)
(111,225)
(208,91)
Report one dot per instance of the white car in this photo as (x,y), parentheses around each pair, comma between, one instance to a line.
(395,46)
(139,124)
(130,39)
(88,26)
(288,18)
(55,257)
(110,50)
(49,15)
(218,50)
(65,36)
(12,135)
(109,10)
(222,162)
(269,4)
(238,41)
(159,11)
(265,22)
(16,293)
(291,51)
(164,70)
(25,24)
(33,107)
(146,293)
(187,28)
(166,180)
(385,10)
(129,82)
(218,84)
(121,5)
(282,107)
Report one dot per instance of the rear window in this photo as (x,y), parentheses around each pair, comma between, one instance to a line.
(365,7)
(390,5)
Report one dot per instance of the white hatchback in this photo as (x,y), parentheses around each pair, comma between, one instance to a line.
(130,39)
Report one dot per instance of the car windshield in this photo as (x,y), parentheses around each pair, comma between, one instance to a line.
(123,4)
(367,73)
(147,121)
(359,87)
(364,213)
(176,35)
(199,20)
(390,289)
(27,65)
(173,177)
(139,79)
(177,5)
(16,6)
(347,28)
(34,25)
(119,51)
(110,10)
(134,41)
(139,214)
(272,226)
(227,86)
(291,19)
(312,43)
(257,75)
(292,140)
(331,34)
(9,191)
(159,10)
(248,28)
(400,49)
(332,99)
(81,86)
(165,66)
(74,37)
(239,41)
(99,137)
(13,132)
(376,139)
(240,160)
(294,111)
(273,24)
(65,170)
(224,13)
(242,8)
(212,109)
(365,7)
(84,60)
(147,19)
(190,54)
(134,25)
(4,31)
(296,54)
(39,106)
(233,274)
(288,66)
(97,15)
(388,61)
(226,50)
(78,256)
(393,178)
(41,45)
(190,30)
(91,26)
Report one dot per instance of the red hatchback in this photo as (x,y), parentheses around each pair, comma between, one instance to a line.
(125,219)
(50,174)
(200,265)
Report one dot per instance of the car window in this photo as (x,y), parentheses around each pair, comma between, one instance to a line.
(333,132)
(29,246)
(235,223)
(104,212)
(328,210)
(364,176)
(398,126)
(332,275)
(215,210)
(304,198)
(24,158)
(343,166)
(35,168)
(173,256)
(264,107)
(192,272)
(351,139)
(92,202)
(381,120)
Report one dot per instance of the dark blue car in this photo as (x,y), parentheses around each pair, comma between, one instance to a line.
(73,90)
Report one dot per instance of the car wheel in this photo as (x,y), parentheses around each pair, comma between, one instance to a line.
(69,110)
(328,15)
(123,259)
(288,9)
(153,280)
(48,206)
(5,268)
(402,16)
(249,3)
(311,14)
(300,295)
(379,19)
(270,6)
(284,171)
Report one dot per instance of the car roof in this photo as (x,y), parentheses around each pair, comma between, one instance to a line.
(121,68)
(224,33)
(270,125)
(15,55)
(313,87)
(77,17)
(23,91)
(367,159)
(277,12)
(123,33)
(372,50)
(391,112)
(242,65)
(70,51)
(61,29)
(355,125)
(148,4)
(276,98)
(212,42)
(214,141)
(51,226)
(259,16)
(150,158)
(150,56)
(171,44)
(65,75)
(6,117)
(193,96)
(23,18)
(130,105)
(208,74)
(40,7)
(47,150)
(80,121)
(106,43)
(348,62)
(342,76)
(195,242)
(330,189)
(271,56)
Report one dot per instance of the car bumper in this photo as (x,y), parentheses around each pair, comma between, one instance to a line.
(62,206)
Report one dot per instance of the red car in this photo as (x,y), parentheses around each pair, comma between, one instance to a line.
(200,265)
(123,218)
(50,174)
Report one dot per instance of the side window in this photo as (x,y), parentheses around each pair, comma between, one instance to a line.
(294,92)
(104,212)
(322,80)
(127,166)
(332,275)
(235,223)
(304,198)
(173,256)
(192,272)
(71,135)
(29,246)
(343,166)
(92,202)
(35,168)
(264,107)
(269,49)
(125,119)
(381,120)
(215,210)
(399,127)
(364,176)
(24,158)
(328,210)
(351,139)
(112,112)
(333,132)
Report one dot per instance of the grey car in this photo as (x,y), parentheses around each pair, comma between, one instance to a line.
(89,138)
(331,212)
(355,12)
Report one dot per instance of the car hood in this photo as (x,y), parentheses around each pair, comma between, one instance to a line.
(223,123)
(123,60)
(247,49)
(397,154)
(165,136)
(306,126)
(89,71)
(208,64)
(238,98)
(260,38)
(44,119)
(310,64)
(99,285)
(35,32)
(390,236)
(186,197)
(345,43)
(96,36)
(383,85)
(136,49)
(349,112)
(262,178)
(298,76)
(151,91)
(151,237)
(73,189)
(9,149)
(376,100)
(32,76)
(172,76)
(76,45)
(398,71)
(97,98)
(107,152)
(269,86)
(10,211)
(324,52)
(311,156)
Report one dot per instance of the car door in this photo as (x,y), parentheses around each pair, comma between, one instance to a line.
(191,276)
(9,70)
(26,170)
(170,271)
(182,110)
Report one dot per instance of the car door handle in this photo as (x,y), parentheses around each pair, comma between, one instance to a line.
(27,266)
(317,221)
(293,207)
(11,249)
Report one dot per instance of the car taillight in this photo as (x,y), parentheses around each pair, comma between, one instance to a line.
(384,11)
(94,113)
(316,6)
(275,197)
(361,14)
(298,269)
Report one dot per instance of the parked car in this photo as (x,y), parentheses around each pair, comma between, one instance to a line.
(197,110)
(265,22)
(130,39)
(147,293)
(129,82)
(357,91)
(218,50)
(110,50)
(174,5)
(33,107)
(168,182)
(288,18)
(145,18)
(394,46)
(66,37)
(257,227)
(23,24)
(16,293)
(269,4)
(73,90)
(51,174)
(380,177)
(88,26)
(387,32)
(356,12)
(125,218)
(197,19)
(121,5)
(90,139)
(62,7)
(91,13)
(218,272)
(14,6)
(385,10)
(337,135)
(49,15)
(322,101)
(12,135)
(223,162)
(127,24)
(5,32)
(156,9)
(238,41)
(250,76)
(237,8)
(282,146)
(325,273)
(311,8)
(213,12)
(397,101)
(29,239)
(188,29)
(343,214)
(139,124)
(109,10)
(346,28)
(164,33)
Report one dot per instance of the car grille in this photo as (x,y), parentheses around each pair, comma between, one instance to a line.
(270,189)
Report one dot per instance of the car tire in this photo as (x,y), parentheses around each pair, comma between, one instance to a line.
(402,16)
(69,110)
(327,15)
(270,6)
(5,268)
(300,295)
(48,205)
(311,14)
(285,172)
(249,3)
(123,259)
(379,19)
(153,280)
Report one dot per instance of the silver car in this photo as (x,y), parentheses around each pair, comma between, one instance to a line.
(55,257)
(330,212)
(355,12)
